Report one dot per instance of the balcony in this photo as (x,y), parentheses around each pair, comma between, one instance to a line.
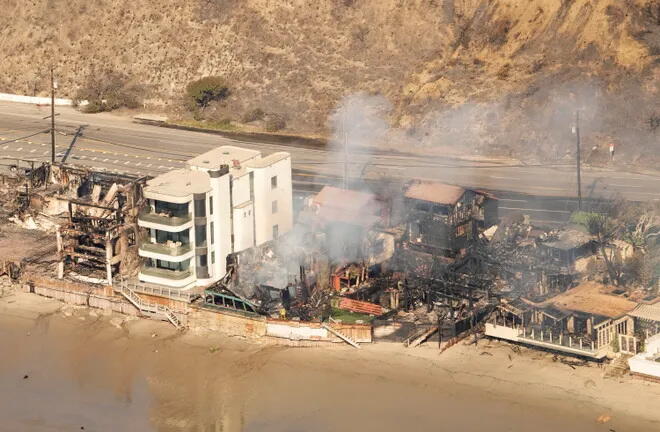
(164,218)
(171,249)
(165,273)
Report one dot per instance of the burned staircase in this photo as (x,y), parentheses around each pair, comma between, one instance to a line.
(417,338)
(149,309)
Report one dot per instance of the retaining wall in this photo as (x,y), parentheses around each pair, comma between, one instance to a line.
(37,100)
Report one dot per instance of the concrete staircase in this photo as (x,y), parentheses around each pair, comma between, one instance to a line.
(618,367)
(149,308)
(341,335)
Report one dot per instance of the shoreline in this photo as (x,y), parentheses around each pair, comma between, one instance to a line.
(509,386)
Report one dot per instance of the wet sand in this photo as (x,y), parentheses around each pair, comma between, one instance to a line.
(106,373)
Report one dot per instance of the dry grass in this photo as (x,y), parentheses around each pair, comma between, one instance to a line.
(298,58)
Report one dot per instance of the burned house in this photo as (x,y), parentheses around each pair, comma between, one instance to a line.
(566,246)
(346,217)
(443,219)
(97,239)
(589,320)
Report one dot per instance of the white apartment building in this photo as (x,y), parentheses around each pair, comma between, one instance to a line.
(224,201)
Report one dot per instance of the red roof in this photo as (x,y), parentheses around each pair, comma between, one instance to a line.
(435,192)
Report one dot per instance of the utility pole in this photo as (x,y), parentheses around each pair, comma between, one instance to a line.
(52,115)
(577,143)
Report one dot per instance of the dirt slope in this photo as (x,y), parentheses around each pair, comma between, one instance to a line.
(494,75)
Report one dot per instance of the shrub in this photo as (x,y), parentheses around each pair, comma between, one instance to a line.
(253,115)
(201,92)
(275,123)
(109,90)
(582,218)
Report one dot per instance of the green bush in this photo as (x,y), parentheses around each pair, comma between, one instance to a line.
(109,90)
(201,92)
(582,218)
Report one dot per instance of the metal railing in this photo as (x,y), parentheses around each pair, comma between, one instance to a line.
(164,219)
(144,306)
(165,249)
(171,293)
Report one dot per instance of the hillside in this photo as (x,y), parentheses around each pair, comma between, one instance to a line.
(498,76)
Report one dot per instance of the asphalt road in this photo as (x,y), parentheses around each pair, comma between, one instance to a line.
(116,144)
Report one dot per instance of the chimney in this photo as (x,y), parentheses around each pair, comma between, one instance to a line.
(236,163)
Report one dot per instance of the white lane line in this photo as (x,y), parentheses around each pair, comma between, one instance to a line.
(5,147)
(33,150)
(105,160)
(126,163)
(510,199)
(624,186)
(19,149)
(503,178)
(535,210)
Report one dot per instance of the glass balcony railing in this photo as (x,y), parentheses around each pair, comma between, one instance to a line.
(164,218)
(165,273)
(171,249)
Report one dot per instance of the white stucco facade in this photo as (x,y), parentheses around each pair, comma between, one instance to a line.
(226,200)
(648,362)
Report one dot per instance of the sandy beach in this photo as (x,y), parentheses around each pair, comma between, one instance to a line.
(66,368)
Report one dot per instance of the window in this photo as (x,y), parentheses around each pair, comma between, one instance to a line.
(200,235)
(200,208)
(212,257)
(273,182)
(274,206)
(210,205)
(202,261)
(211,232)
(276,231)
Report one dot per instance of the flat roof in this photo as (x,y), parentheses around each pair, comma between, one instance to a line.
(223,155)
(434,192)
(592,298)
(348,206)
(268,160)
(180,183)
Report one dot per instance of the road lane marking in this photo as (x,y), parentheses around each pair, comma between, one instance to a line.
(535,210)
(625,186)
